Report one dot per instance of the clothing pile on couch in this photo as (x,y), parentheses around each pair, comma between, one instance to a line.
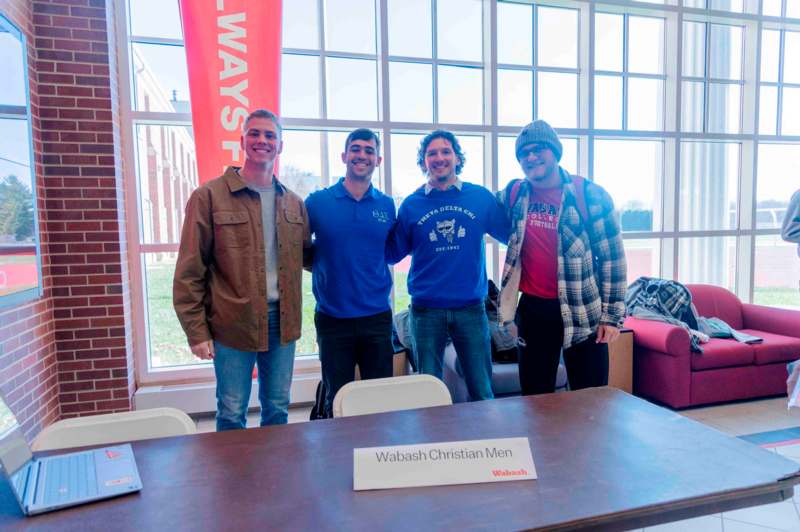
(650,298)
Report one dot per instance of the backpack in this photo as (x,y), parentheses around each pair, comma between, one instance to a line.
(318,410)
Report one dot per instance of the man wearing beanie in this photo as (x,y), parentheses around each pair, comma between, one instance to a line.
(565,255)
(442,225)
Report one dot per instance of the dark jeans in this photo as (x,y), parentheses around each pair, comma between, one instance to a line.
(468,328)
(345,342)
(540,325)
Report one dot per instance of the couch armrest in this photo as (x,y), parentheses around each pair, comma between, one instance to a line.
(659,336)
(771,319)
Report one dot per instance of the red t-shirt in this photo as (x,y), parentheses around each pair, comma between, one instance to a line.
(540,247)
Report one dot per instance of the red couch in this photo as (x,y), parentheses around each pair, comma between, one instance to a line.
(666,371)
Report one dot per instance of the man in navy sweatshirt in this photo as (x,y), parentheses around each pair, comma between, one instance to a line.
(350,278)
(442,225)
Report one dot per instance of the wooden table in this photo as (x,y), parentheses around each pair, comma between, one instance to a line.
(605,460)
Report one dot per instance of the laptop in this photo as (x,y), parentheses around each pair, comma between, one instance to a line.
(55,482)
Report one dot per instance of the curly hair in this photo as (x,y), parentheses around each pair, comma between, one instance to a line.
(449,137)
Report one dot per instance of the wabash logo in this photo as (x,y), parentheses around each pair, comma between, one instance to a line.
(509,472)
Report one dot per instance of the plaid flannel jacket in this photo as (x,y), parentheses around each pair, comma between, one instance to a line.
(591,260)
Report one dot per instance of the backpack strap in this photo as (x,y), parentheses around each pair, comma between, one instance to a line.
(514,192)
(580,196)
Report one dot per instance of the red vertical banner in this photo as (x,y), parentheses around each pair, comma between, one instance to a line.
(233,48)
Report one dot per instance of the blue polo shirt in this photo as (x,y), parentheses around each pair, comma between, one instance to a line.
(350,276)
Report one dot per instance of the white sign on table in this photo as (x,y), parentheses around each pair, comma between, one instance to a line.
(440,464)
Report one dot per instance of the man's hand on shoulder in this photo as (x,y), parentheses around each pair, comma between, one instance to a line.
(607,334)
(204,350)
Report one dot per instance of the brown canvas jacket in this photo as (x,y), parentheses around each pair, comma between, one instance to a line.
(219,290)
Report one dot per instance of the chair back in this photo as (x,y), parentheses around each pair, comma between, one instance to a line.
(717,302)
(106,429)
(385,395)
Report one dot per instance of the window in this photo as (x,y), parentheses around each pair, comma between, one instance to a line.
(20,259)
(712,77)
(537,49)
(691,139)
(629,72)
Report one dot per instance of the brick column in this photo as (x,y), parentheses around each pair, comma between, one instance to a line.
(84,210)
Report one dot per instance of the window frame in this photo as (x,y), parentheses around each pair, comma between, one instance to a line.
(668,234)
(23,112)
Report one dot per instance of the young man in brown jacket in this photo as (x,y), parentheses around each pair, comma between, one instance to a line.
(237,285)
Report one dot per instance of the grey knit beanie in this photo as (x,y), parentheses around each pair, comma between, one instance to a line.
(539,131)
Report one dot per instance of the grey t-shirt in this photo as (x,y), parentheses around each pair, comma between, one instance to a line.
(270,238)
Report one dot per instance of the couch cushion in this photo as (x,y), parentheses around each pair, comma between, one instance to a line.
(722,353)
(776,347)
(717,302)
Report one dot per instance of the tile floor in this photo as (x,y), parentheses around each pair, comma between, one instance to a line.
(736,419)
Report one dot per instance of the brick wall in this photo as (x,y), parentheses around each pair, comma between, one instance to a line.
(83,340)
(28,377)
(84,206)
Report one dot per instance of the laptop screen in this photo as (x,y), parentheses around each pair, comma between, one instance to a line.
(14,450)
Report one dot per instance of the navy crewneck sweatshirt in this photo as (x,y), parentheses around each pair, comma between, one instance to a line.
(444,231)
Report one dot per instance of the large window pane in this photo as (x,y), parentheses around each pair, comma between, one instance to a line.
(777,273)
(473,171)
(770,55)
(557,37)
(160,78)
(514,33)
(792,9)
(608,102)
(460,29)
(507,165)
(166,25)
(406,175)
(724,108)
(737,6)
(631,170)
(405,14)
(300,86)
(646,45)
(692,106)
(768,111)
(166,339)
(167,174)
(708,260)
(608,49)
(643,258)
(352,89)
(350,26)
(301,163)
(460,95)
(790,119)
(557,99)
(709,185)
(791,57)
(774,188)
(771,8)
(19,264)
(645,104)
(300,24)
(726,52)
(694,49)
(411,91)
(12,82)
(515,97)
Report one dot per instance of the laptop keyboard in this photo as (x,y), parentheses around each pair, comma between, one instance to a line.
(69,477)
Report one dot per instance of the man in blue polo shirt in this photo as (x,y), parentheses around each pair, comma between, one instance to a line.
(351,281)
(442,224)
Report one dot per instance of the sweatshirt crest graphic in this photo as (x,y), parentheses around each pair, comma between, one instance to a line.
(447,230)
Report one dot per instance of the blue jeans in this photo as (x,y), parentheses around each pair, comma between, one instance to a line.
(469,330)
(234,371)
